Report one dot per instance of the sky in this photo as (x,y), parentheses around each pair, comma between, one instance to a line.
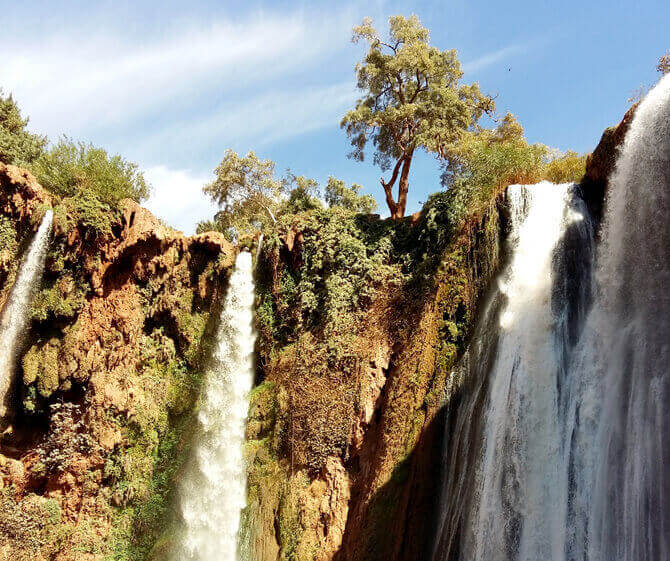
(172,85)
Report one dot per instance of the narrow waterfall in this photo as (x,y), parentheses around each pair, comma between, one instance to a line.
(559,447)
(17,308)
(213,487)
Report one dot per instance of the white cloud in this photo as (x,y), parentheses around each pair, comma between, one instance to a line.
(263,119)
(177,197)
(79,81)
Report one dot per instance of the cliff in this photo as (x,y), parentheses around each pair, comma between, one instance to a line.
(108,373)
(361,323)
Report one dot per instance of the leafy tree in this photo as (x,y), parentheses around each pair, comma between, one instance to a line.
(303,193)
(17,145)
(339,195)
(71,168)
(664,64)
(246,190)
(488,160)
(567,168)
(412,98)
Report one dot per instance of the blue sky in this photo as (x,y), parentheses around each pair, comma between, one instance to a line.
(171,85)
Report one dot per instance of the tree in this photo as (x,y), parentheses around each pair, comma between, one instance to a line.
(17,145)
(338,194)
(412,98)
(664,64)
(71,168)
(247,192)
(487,160)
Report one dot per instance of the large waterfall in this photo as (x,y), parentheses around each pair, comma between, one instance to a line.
(213,488)
(560,448)
(16,311)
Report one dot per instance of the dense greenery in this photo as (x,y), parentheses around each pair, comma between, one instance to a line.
(252,198)
(17,145)
(78,169)
(412,99)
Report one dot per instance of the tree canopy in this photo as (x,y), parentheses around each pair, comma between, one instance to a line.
(251,197)
(412,98)
(17,145)
(71,168)
(339,195)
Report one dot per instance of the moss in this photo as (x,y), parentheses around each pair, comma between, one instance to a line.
(41,366)
(62,300)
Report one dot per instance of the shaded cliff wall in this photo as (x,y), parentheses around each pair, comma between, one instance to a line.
(107,376)
(345,428)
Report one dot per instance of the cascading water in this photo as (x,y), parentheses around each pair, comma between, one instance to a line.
(213,487)
(560,449)
(16,310)
(627,346)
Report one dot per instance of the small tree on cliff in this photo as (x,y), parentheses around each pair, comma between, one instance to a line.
(246,190)
(412,99)
(17,145)
(664,64)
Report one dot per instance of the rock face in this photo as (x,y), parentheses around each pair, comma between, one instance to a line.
(600,164)
(345,431)
(107,377)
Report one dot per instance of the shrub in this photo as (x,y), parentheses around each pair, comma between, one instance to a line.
(17,145)
(568,168)
(75,168)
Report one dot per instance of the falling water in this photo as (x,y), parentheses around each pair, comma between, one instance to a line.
(16,311)
(560,449)
(213,489)
(627,345)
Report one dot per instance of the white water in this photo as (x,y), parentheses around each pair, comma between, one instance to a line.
(17,307)
(627,347)
(519,505)
(213,487)
(572,460)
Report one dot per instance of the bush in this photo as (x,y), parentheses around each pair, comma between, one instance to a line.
(17,145)
(74,169)
(568,168)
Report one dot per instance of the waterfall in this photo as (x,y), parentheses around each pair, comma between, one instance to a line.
(213,487)
(17,308)
(559,448)
(627,345)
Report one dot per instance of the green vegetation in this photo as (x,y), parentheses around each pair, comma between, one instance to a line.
(77,169)
(17,145)
(412,99)
(253,199)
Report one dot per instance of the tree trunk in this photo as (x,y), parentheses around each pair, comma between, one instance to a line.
(403,187)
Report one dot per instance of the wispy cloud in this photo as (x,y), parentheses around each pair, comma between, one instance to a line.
(263,119)
(80,82)
(494,57)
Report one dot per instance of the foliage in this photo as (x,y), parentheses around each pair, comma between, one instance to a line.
(252,198)
(338,194)
(247,192)
(567,168)
(17,145)
(77,169)
(302,194)
(412,98)
(664,64)
(486,161)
